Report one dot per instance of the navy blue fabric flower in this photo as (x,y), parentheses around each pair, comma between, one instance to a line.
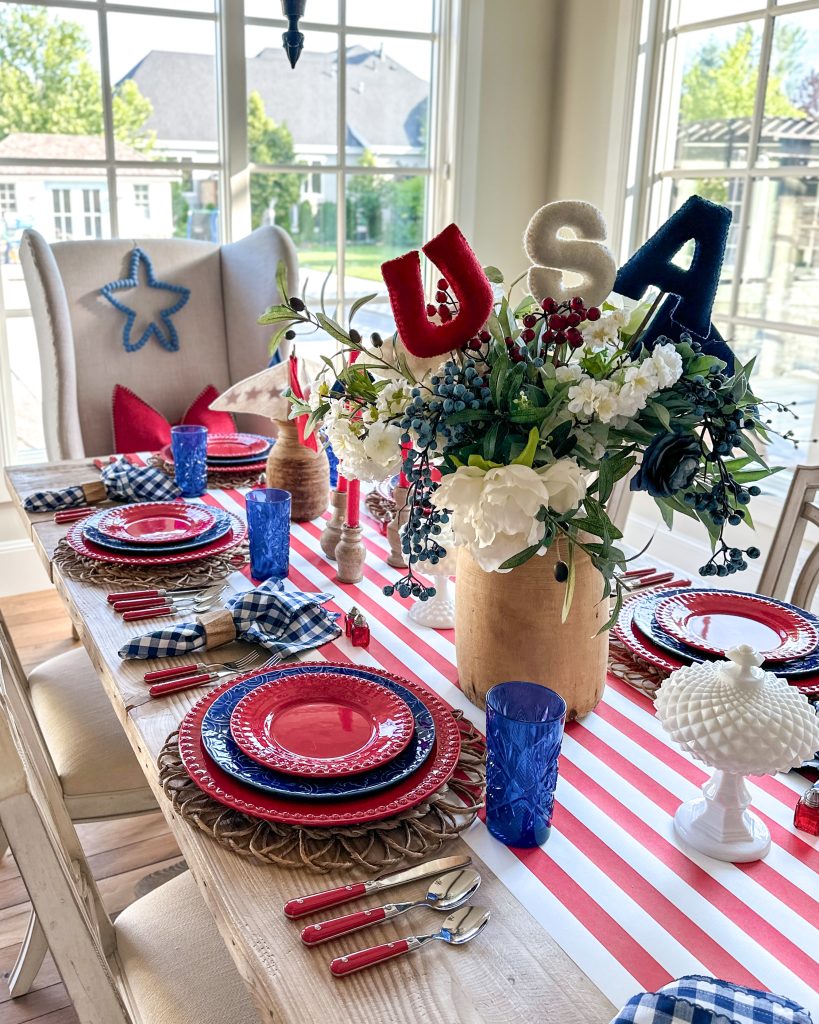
(669,465)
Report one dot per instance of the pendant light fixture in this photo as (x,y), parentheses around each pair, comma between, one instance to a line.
(292,39)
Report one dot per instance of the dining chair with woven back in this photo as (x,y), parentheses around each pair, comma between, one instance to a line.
(62,712)
(161,962)
(786,575)
(89,343)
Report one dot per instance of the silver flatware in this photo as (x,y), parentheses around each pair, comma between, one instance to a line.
(460,927)
(303,905)
(446,893)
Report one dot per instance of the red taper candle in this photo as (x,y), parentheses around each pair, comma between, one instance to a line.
(353,500)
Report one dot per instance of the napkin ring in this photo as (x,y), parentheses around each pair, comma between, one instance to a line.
(219,627)
(94,491)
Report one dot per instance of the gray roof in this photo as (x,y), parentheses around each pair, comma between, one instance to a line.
(386,103)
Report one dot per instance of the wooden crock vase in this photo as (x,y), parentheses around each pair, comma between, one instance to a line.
(508,627)
(306,474)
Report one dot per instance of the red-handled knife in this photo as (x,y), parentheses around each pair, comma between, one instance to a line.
(303,905)
(175,685)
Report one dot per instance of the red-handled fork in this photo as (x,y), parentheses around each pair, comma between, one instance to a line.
(135,595)
(239,665)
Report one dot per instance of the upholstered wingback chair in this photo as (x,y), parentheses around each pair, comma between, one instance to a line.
(80,334)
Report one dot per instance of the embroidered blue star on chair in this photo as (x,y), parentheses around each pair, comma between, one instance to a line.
(164,331)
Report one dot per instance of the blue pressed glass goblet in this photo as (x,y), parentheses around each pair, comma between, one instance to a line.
(524,730)
(190,459)
(268,527)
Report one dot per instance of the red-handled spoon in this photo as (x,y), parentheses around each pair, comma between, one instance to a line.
(446,893)
(458,928)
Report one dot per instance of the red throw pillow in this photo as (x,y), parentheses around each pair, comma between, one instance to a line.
(138,427)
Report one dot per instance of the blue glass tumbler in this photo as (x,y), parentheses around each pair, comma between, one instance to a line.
(268,526)
(524,730)
(190,459)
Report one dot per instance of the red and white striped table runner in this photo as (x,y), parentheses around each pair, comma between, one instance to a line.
(612,885)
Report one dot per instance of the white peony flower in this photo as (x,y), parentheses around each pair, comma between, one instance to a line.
(494,514)
(667,364)
(566,483)
(642,376)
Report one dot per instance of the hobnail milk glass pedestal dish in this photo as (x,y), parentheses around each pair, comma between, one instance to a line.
(438,612)
(741,721)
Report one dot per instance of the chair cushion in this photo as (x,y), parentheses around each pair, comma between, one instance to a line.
(98,772)
(175,962)
(138,427)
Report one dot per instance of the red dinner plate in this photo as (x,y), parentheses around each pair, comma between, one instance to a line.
(235,446)
(716,620)
(214,467)
(321,725)
(626,631)
(410,792)
(78,542)
(156,522)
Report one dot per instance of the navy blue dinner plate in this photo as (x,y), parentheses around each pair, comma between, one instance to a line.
(219,743)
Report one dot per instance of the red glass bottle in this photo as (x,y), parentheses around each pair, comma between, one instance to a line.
(348,620)
(806,815)
(360,634)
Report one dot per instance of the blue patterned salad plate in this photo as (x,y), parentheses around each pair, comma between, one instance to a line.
(647,624)
(218,742)
(219,529)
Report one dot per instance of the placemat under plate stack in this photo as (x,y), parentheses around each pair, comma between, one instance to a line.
(668,629)
(325,765)
(158,542)
(233,460)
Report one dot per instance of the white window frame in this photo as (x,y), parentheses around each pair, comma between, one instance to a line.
(647,193)
(232,166)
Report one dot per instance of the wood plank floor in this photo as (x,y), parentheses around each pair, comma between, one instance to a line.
(120,853)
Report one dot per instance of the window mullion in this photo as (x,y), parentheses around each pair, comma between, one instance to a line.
(234,158)
(341,137)
(753,146)
(108,124)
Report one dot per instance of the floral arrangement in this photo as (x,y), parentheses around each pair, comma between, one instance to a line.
(515,439)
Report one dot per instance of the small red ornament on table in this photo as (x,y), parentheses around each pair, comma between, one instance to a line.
(806,815)
(360,631)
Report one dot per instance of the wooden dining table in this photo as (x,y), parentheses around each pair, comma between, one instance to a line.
(514,971)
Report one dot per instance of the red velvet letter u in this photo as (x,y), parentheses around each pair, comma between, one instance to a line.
(451,254)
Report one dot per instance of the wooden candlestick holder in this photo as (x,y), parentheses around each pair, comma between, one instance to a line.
(296,468)
(396,556)
(350,555)
(331,533)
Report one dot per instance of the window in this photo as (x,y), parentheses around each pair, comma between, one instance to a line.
(341,151)
(93,212)
(61,201)
(8,197)
(142,200)
(736,120)
(739,124)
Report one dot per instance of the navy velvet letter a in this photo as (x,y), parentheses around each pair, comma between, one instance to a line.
(690,293)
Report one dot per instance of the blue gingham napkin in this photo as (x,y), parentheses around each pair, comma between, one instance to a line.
(123,482)
(283,621)
(695,999)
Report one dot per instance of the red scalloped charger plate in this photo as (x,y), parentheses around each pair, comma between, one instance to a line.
(430,777)
(235,446)
(156,522)
(716,620)
(630,636)
(213,467)
(234,536)
(326,726)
